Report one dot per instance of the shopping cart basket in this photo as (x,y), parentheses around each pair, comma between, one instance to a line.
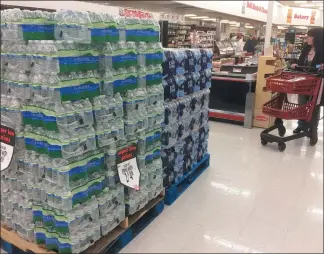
(302,81)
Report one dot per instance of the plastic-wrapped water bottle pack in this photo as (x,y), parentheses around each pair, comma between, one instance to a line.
(186,71)
(186,82)
(77,87)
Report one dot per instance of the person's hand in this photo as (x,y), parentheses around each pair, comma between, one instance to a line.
(321,67)
(293,66)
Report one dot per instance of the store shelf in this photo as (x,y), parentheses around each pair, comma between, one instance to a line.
(175,190)
(175,35)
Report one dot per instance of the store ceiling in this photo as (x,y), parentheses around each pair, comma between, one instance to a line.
(305,4)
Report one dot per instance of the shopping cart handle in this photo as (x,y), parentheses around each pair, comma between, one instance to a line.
(306,68)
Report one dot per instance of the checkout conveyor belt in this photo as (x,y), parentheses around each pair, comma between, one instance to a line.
(232,94)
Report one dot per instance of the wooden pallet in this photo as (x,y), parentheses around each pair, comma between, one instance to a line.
(175,190)
(115,240)
(12,238)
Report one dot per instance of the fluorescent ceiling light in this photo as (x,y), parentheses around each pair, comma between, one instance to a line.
(300,2)
(200,17)
(282,27)
(190,15)
(224,21)
(307,5)
(233,22)
(321,8)
(249,26)
(210,20)
(301,27)
(317,1)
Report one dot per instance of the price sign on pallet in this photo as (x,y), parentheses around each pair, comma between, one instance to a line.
(128,172)
(7,139)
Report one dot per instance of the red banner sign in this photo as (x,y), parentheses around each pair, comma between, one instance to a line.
(133,13)
(256,7)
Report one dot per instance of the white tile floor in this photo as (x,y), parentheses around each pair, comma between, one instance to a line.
(251,199)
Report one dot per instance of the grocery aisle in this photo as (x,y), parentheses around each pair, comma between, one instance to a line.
(251,199)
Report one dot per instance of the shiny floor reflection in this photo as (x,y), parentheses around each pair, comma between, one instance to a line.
(251,199)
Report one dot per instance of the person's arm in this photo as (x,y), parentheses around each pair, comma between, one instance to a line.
(245,46)
(303,55)
(241,45)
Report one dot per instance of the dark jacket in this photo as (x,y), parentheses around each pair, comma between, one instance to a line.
(318,58)
(249,46)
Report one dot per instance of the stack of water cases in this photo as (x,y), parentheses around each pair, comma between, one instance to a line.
(186,82)
(77,87)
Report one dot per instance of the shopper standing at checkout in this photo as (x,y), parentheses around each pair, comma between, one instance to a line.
(239,48)
(312,56)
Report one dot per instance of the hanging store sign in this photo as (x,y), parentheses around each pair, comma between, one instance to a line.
(301,16)
(7,138)
(256,7)
(133,13)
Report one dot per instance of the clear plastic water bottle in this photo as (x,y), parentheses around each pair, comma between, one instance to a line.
(78,32)
(11,29)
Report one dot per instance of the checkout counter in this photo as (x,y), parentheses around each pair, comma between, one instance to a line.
(232,94)
(238,92)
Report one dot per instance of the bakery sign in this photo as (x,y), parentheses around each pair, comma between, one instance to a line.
(300,16)
(256,7)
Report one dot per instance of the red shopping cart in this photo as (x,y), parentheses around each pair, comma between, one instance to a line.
(303,81)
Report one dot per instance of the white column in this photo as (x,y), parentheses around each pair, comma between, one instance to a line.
(268,29)
(218,30)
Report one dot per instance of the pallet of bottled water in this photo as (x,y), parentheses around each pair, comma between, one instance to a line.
(77,87)
(186,82)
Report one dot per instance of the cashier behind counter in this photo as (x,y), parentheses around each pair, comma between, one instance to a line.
(250,45)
